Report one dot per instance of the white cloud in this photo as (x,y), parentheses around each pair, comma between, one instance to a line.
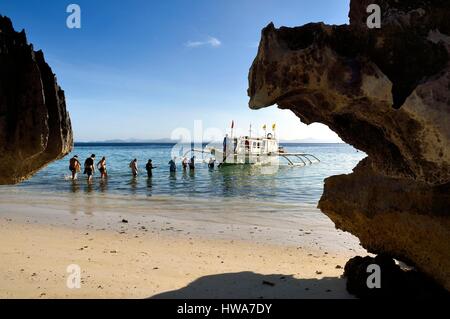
(211,41)
(214,42)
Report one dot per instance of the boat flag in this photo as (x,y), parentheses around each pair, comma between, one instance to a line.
(264,126)
(274,126)
(232,124)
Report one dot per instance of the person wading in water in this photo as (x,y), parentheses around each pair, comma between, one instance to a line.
(134,167)
(149,167)
(102,167)
(192,163)
(74,166)
(184,163)
(89,167)
(172,166)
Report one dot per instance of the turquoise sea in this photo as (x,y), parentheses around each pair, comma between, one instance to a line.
(285,184)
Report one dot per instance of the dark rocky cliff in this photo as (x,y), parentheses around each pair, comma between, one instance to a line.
(35,127)
(387,92)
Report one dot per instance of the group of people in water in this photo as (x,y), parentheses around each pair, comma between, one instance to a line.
(89,163)
(89,166)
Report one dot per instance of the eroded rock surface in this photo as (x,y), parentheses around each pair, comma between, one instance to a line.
(394,281)
(387,92)
(35,127)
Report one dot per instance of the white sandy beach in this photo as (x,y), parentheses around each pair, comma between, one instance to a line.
(168,248)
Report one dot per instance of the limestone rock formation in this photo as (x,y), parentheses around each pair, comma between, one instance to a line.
(387,92)
(35,127)
(394,282)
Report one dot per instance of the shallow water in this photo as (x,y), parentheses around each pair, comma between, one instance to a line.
(300,185)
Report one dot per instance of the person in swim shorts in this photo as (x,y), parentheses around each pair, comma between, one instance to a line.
(89,167)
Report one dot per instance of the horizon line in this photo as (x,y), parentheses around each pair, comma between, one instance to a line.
(176,142)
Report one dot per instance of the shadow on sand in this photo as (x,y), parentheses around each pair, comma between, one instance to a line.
(247,284)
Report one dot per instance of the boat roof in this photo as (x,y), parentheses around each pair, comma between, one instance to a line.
(257,138)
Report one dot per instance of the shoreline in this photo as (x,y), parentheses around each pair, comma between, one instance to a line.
(167,251)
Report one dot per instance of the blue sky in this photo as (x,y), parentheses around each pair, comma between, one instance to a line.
(140,69)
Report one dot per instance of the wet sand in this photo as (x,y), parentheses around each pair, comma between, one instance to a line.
(166,248)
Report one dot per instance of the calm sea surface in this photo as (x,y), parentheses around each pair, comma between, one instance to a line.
(285,184)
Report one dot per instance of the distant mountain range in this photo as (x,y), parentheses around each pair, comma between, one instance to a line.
(309,141)
(133,140)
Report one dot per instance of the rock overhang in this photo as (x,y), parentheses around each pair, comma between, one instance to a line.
(385,92)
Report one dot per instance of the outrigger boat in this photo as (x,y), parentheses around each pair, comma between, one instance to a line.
(254,150)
